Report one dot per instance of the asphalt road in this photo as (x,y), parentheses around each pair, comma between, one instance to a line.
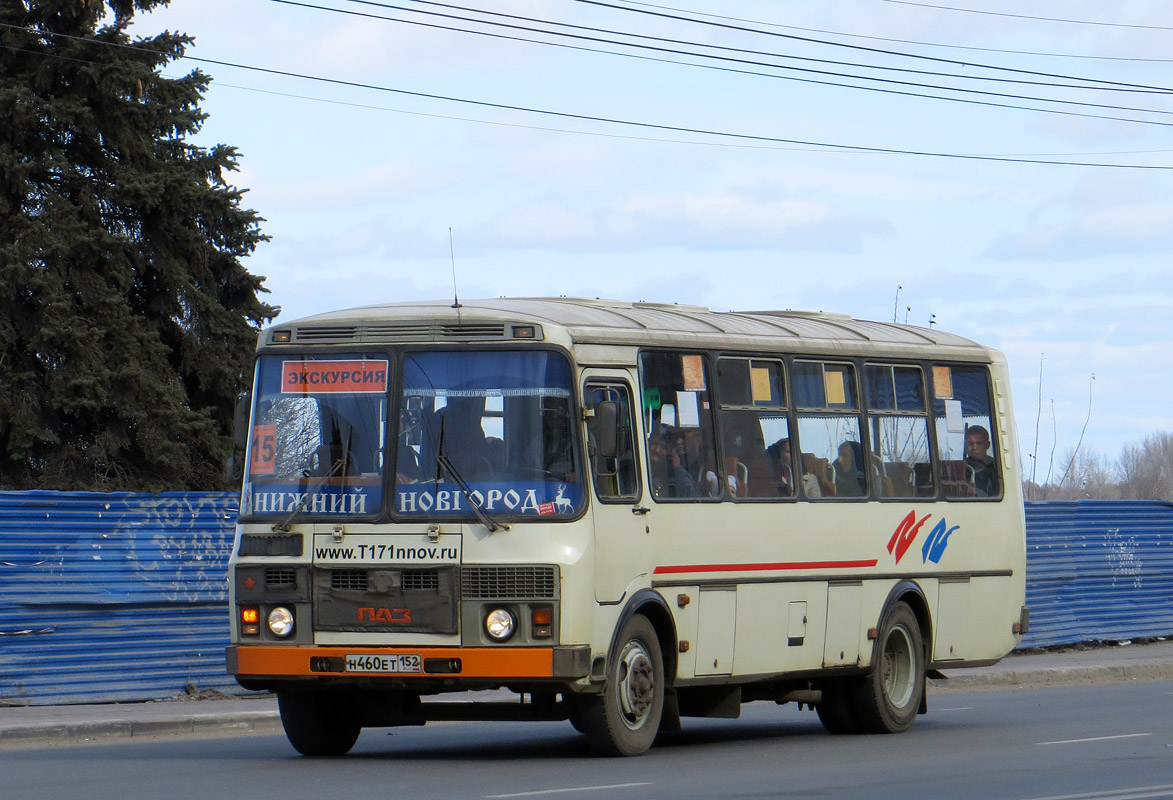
(1107,742)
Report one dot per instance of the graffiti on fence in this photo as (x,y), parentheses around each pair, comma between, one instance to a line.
(1123,559)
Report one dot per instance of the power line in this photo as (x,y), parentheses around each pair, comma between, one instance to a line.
(576,132)
(1005,51)
(740,137)
(750,72)
(1028,16)
(899,41)
(881,51)
(1105,85)
(661,140)
(656,139)
(662,127)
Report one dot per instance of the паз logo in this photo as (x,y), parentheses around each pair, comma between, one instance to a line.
(389,615)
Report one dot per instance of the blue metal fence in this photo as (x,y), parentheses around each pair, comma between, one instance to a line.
(1098,570)
(110,597)
(113,597)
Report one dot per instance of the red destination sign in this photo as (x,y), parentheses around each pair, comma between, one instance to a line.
(330,377)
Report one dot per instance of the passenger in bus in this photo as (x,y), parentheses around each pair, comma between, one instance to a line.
(457,428)
(978,458)
(407,465)
(689,444)
(814,482)
(557,456)
(780,466)
(668,476)
(849,474)
(411,433)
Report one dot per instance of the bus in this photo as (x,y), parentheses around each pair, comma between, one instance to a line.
(618,514)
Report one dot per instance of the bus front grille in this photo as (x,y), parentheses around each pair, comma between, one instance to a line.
(473,331)
(493,583)
(280,578)
(403,332)
(420,579)
(352,580)
(326,333)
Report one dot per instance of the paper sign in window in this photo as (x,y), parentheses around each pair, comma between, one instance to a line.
(263,453)
(690,409)
(942,383)
(694,373)
(760,387)
(953,419)
(833,381)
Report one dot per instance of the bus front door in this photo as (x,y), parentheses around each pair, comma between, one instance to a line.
(622,539)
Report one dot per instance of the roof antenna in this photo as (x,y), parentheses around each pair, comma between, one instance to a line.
(452,255)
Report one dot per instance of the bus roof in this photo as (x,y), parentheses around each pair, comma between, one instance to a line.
(596,321)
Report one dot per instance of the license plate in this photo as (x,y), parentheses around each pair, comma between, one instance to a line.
(399,662)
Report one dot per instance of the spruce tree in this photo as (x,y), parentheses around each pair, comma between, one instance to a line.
(127,321)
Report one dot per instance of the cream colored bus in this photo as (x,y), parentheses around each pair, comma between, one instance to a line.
(618,514)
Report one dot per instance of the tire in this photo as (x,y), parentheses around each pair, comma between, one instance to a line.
(317,725)
(888,698)
(625,718)
(836,710)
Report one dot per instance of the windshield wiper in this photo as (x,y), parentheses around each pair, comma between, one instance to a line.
(339,465)
(442,460)
(477,509)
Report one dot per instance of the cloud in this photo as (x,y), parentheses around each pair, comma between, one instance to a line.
(1124,230)
(713,221)
(394,180)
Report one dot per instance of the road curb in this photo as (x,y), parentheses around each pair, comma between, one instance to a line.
(77,732)
(1055,677)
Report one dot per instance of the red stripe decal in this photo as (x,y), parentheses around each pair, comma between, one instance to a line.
(786,565)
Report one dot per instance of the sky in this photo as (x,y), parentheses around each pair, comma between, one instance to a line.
(409,151)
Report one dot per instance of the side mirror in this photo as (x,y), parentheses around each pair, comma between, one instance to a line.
(234,466)
(240,421)
(607,415)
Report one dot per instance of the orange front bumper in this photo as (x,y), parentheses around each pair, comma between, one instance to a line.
(264,661)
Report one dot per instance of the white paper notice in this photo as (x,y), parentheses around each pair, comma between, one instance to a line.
(953,416)
(690,411)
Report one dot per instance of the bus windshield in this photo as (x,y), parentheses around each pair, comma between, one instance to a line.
(490,428)
(317,436)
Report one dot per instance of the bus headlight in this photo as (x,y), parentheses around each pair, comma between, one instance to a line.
(281,621)
(500,624)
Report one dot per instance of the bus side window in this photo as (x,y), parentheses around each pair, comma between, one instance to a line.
(677,409)
(833,460)
(898,428)
(610,441)
(755,429)
(967,460)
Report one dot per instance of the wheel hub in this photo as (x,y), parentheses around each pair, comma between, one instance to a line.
(636,685)
(897,667)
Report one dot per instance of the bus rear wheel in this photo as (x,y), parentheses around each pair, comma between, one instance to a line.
(315,725)
(888,698)
(625,718)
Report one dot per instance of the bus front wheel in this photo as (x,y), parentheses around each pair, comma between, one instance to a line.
(625,718)
(889,697)
(315,726)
